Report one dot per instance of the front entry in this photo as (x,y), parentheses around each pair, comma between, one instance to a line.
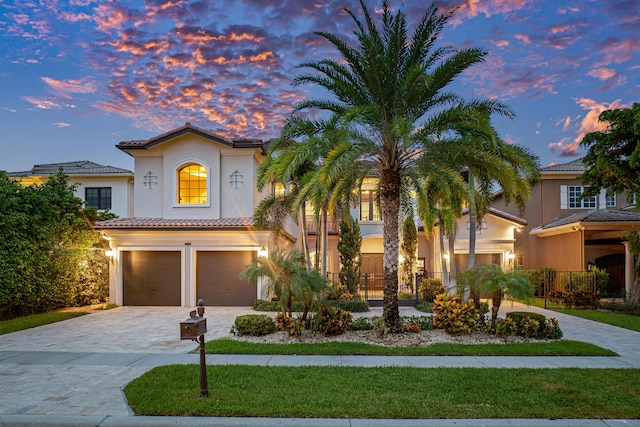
(372,281)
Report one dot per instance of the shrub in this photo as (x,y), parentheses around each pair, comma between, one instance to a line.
(506,327)
(254,325)
(628,307)
(289,324)
(362,324)
(263,305)
(454,315)
(529,327)
(425,306)
(429,288)
(354,306)
(332,320)
(552,330)
(520,317)
(422,323)
(576,298)
(338,292)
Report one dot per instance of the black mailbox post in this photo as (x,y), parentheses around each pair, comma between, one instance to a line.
(194,329)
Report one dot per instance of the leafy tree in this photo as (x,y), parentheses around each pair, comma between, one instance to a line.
(349,243)
(612,162)
(49,256)
(390,93)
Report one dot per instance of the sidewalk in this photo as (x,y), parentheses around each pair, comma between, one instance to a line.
(72,373)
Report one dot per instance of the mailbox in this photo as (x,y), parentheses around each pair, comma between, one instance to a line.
(192,328)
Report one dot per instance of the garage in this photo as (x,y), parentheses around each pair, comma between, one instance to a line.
(151,277)
(218,281)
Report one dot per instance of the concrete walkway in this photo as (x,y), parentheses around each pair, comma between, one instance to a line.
(73,372)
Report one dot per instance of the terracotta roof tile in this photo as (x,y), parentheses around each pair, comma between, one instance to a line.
(162,223)
(595,215)
(82,167)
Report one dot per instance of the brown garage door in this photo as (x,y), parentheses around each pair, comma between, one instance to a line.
(218,281)
(151,277)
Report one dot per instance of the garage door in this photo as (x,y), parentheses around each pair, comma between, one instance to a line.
(151,277)
(218,281)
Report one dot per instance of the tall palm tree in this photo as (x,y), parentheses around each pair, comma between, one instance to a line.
(391,89)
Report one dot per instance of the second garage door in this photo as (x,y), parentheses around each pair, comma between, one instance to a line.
(218,281)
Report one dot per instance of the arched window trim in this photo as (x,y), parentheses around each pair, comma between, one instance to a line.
(176,183)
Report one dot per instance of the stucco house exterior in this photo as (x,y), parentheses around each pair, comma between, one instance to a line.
(569,233)
(101,187)
(191,233)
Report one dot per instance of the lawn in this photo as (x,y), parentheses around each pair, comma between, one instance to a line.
(387,392)
(31,321)
(626,321)
(550,348)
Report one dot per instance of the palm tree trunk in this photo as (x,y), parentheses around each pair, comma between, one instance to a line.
(323,244)
(390,200)
(305,238)
(445,268)
(472,223)
(453,268)
(495,307)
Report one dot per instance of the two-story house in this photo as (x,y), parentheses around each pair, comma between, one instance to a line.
(191,233)
(569,233)
(101,187)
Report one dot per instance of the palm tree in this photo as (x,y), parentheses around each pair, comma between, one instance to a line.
(390,89)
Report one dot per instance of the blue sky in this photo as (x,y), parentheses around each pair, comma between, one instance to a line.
(79,76)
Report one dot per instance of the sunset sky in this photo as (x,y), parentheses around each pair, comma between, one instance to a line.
(79,76)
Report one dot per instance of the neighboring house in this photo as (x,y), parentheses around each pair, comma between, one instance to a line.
(568,233)
(191,233)
(101,187)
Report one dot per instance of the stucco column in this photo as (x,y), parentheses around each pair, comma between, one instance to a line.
(628,269)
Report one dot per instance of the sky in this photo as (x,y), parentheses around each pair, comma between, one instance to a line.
(79,76)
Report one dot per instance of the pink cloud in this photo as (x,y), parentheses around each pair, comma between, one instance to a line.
(569,146)
(43,104)
(72,86)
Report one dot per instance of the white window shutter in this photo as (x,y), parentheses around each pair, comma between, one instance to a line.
(602,199)
(563,197)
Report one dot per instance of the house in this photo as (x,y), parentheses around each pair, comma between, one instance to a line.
(568,233)
(101,187)
(191,233)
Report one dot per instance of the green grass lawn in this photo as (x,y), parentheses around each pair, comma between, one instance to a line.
(550,348)
(627,321)
(26,322)
(387,392)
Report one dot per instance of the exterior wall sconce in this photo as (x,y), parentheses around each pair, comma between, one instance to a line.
(262,252)
(109,253)
(511,256)
(446,256)
(150,180)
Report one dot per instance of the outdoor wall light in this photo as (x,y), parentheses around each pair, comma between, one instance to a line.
(262,252)
(109,253)
(446,256)
(511,255)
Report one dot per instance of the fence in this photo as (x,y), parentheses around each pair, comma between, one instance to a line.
(557,288)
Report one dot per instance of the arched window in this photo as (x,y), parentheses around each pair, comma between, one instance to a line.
(192,185)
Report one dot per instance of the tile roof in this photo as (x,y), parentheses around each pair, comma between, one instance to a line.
(189,128)
(162,223)
(82,167)
(574,166)
(595,215)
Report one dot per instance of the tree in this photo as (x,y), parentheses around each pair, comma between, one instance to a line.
(612,162)
(499,284)
(390,93)
(289,278)
(50,257)
(349,243)
(409,246)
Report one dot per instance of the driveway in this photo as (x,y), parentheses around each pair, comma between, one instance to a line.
(79,366)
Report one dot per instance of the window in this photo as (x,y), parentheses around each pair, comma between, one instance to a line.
(98,197)
(611,199)
(192,185)
(369,210)
(575,202)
